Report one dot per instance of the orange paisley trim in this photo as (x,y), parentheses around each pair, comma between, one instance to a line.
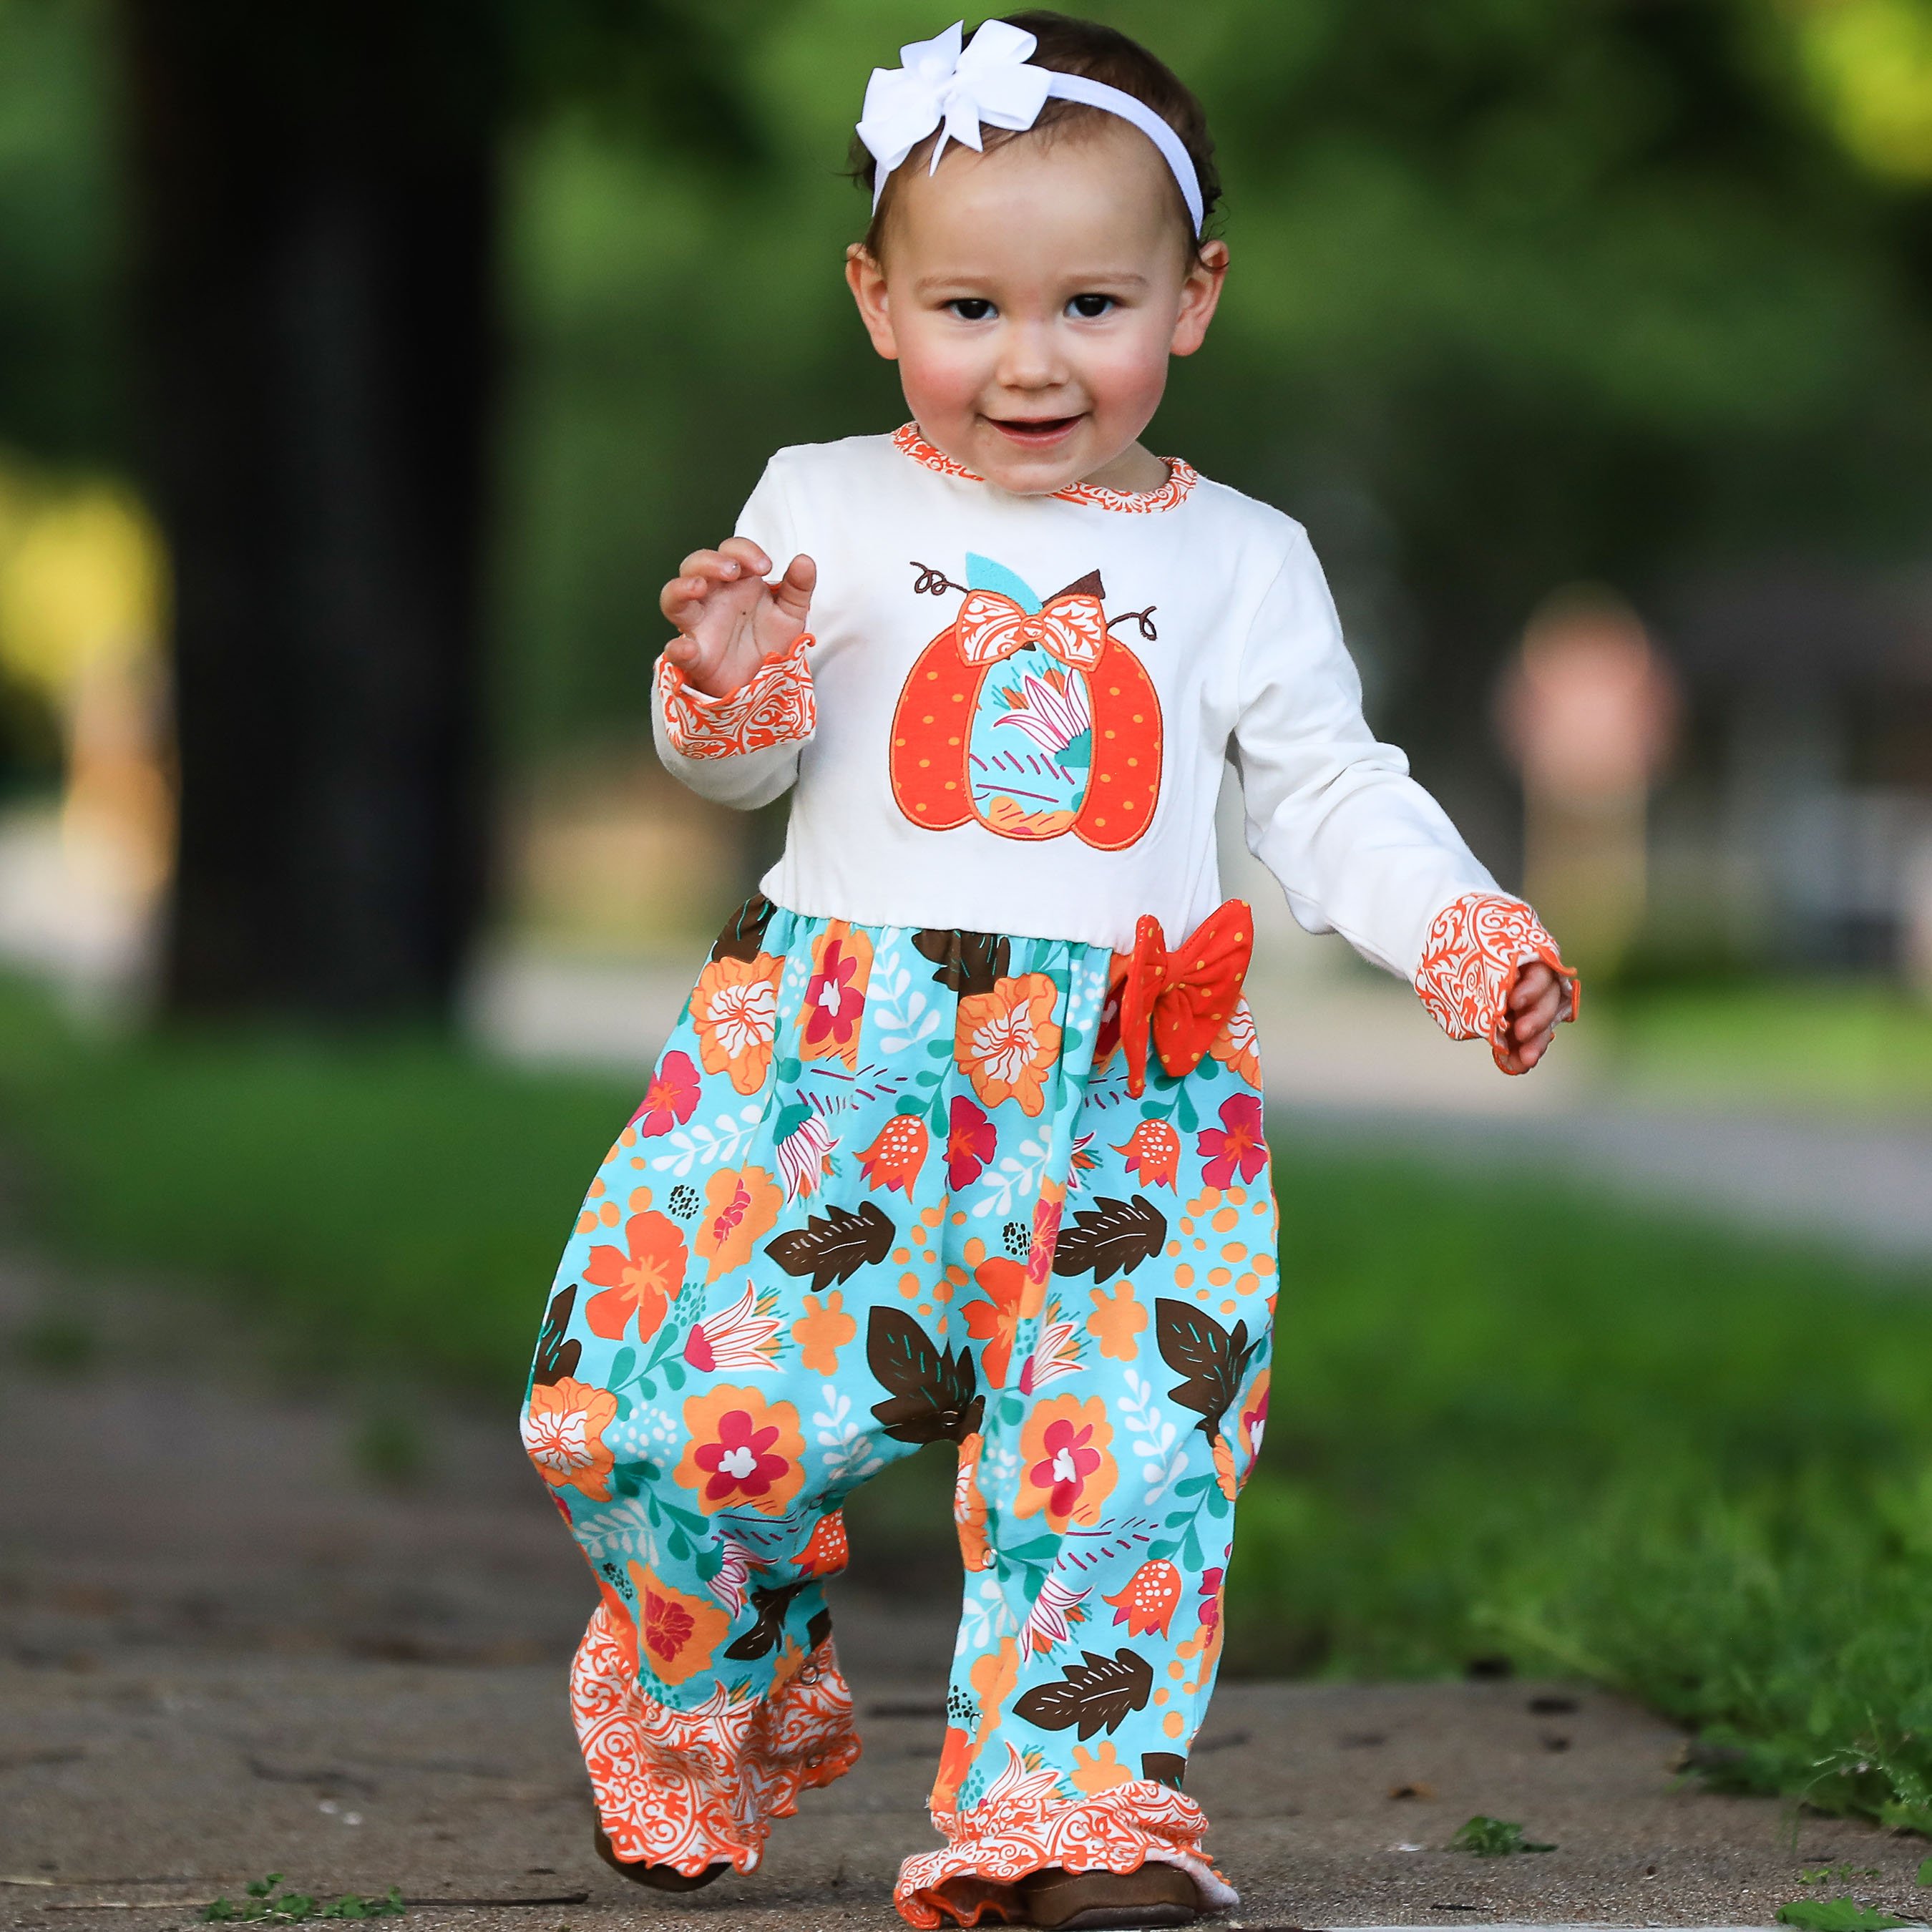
(1470,961)
(777,707)
(1181,478)
(1023,1825)
(699,1787)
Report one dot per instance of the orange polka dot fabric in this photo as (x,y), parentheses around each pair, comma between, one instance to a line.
(888,1187)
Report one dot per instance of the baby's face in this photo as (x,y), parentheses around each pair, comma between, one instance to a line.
(1032,296)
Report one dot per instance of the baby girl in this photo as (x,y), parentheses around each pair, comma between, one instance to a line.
(959,1135)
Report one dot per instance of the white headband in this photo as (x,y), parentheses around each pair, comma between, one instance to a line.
(992,82)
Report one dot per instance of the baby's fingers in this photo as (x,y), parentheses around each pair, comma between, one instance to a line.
(682,600)
(793,594)
(1541,1017)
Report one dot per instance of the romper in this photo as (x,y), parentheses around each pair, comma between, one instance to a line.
(959,1136)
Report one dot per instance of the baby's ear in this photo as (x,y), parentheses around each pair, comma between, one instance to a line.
(866,278)
(1200,295)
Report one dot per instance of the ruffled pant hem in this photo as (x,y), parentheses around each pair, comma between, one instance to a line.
(1015,1831)
(697,1788)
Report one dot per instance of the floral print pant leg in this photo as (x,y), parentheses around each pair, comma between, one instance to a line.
(880,1194)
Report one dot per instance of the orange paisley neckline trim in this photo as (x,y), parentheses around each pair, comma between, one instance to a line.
(1181,478)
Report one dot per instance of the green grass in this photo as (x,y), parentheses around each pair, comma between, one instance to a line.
(1507,1425)
(1792,1043)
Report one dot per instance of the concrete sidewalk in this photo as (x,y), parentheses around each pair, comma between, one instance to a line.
(224,1652)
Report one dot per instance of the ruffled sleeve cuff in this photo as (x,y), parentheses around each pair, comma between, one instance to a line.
(1470,961)
(777,707)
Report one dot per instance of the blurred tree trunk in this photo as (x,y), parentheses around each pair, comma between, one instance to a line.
(315,214)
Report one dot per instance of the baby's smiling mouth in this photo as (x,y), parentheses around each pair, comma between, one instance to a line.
(1035,431)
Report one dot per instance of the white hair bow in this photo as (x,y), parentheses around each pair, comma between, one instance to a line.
(959,88)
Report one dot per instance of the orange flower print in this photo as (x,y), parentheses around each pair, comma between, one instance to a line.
(1065,1469)
(1116,1318)
(1007,1041)
(993,1677)
(740,1451)
(642,1279)
(563,1436)
(669,1099)
(1236,1047)
(955,1759)
(828,1551)
(680,1632)
(995,1321)
(835,995)
(734,1007)
(969,1506)
(1147,1600)
(739,1206)
(1153,1152)
(1099,1769)
(896,1155)
(822,1331)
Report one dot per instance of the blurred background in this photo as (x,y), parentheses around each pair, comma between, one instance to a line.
(364,370)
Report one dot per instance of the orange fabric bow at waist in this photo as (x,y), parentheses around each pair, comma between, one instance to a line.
(1181,999)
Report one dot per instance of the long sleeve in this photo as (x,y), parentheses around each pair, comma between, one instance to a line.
(1358,845)
(743,750)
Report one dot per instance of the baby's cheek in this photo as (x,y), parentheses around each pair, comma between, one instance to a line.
(1125,378)
(942,376)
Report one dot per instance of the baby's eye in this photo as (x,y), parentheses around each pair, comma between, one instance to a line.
(1091,307)
(971,308)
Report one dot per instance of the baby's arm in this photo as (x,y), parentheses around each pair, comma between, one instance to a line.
(1361,849)
(734,702)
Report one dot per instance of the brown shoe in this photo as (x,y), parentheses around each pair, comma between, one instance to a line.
(664,1878)
(1157,1894)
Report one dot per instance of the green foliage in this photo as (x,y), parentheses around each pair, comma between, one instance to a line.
(1838,1915)
(1492,1838)
(265,1902)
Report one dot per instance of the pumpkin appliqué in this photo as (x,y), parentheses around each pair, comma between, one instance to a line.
(1029,716)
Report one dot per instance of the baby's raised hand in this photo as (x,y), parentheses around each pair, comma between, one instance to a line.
(729,618)
(1537,1002)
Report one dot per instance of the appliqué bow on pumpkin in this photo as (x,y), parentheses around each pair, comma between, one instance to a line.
(1181,1000)
(992,625)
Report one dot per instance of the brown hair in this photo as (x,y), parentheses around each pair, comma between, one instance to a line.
(1104,54)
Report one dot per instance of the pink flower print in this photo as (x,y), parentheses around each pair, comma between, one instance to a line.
(1210,1598)
(744,1336)
(670,1098)
(739,1458)
(835,997)
(1057,1353)
(1052,710)
(1082,1158)
(1236,1146)
(1054,1612)
(805,1157)
(1063,1472)
(970,1141)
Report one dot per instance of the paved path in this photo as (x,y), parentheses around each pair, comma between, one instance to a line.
(224,1651)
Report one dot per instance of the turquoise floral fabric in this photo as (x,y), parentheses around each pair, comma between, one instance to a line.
(888,1187)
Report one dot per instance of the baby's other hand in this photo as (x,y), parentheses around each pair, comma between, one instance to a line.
(729,618)
(1537,1001)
